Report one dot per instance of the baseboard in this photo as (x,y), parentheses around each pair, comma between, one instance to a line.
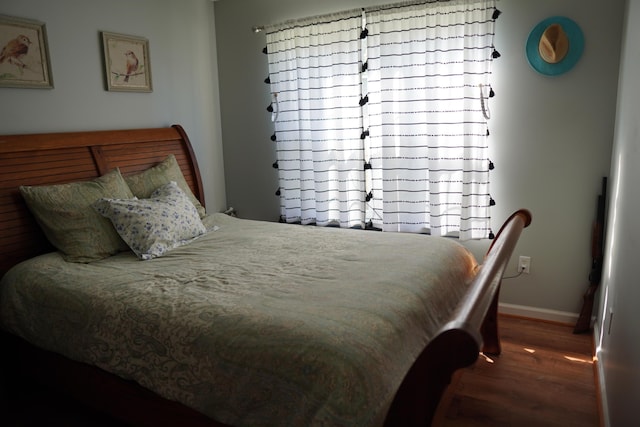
(538,313)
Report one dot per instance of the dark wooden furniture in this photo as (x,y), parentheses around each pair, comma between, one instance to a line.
(583,323)
(63,157)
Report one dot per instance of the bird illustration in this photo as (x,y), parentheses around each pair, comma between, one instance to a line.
(14,50)
(132,64)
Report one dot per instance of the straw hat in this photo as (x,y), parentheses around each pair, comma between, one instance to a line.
(554,45)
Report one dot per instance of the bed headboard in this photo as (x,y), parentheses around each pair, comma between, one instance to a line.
(56,158)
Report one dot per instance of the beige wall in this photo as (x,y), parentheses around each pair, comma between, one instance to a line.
(550,137)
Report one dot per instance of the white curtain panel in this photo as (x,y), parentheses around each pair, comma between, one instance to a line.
(428,68)
(428,146)
(314,68)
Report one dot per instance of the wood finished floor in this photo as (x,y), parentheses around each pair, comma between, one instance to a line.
(544,377)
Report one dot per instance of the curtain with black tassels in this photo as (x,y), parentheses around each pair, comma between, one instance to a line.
(495,55)
(381,117)
(364,136)
(429,69)
(314,77)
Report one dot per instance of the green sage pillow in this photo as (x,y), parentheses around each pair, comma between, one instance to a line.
(146,182)
(66,217)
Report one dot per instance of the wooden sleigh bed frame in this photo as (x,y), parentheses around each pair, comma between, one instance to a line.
(39,159)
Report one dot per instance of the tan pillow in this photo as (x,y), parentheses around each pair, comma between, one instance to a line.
(145,183)
(67,218)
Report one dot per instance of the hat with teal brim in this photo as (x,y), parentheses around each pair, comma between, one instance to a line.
(554,45)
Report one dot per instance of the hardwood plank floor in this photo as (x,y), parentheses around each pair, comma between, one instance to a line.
(544,377)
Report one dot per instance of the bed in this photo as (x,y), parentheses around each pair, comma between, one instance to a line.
(241,323)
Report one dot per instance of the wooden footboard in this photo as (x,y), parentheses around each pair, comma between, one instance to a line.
(459,342)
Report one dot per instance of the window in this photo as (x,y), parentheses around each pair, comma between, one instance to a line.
(380,117)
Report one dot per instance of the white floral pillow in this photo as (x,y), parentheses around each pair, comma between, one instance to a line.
(151,227)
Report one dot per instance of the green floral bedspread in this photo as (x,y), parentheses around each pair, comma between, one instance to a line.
(255,324)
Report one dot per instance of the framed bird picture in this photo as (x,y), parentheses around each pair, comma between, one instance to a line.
(24,54)
(127,65)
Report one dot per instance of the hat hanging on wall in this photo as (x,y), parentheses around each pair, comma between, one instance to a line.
(554,45)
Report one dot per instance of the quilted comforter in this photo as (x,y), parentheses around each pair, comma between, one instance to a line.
(255,323)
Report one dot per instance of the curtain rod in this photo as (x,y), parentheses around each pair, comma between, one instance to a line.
(260,28)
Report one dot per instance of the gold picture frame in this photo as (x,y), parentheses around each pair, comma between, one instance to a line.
(24,54)
(127,63)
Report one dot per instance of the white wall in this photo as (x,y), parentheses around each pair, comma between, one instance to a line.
(550,136)
(183,64)
(617,329)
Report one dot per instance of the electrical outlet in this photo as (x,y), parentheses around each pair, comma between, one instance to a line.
(524,264)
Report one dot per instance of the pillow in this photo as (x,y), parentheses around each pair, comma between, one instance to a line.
(65,215)
(145,183)
(151,227)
